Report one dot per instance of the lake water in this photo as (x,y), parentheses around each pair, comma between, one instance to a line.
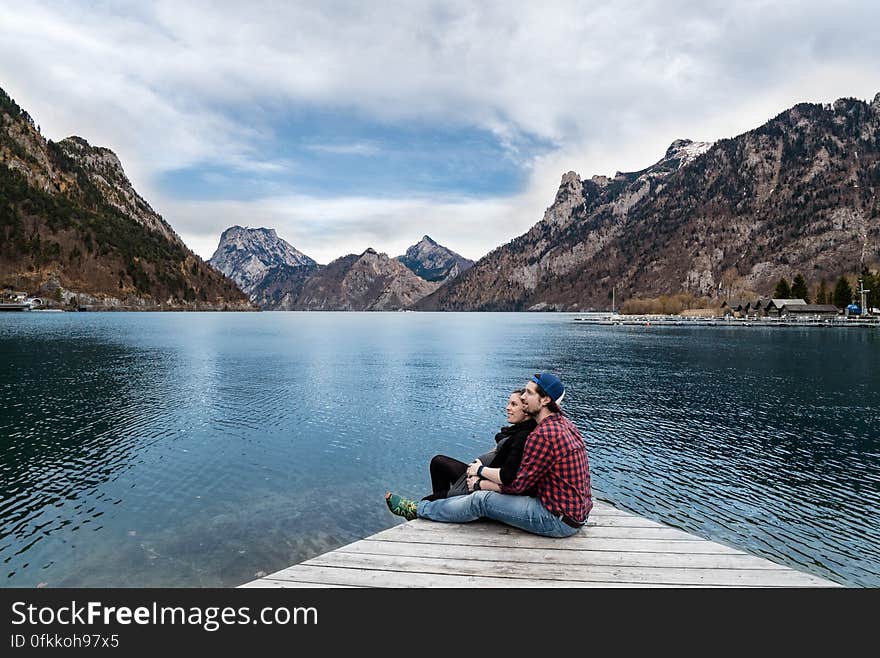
(150,449)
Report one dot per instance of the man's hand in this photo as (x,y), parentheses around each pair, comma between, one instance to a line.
(471,481)
(472,469)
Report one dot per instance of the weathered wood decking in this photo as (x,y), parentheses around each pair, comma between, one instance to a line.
(615,549)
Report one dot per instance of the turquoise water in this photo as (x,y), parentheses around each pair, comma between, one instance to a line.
(151,449)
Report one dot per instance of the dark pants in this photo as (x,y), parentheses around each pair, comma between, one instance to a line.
(444,471)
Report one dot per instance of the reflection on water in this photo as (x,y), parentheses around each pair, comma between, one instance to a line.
(203,449)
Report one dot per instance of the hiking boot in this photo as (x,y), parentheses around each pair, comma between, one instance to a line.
(401,506)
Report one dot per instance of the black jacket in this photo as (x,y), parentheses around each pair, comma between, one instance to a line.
(510,443)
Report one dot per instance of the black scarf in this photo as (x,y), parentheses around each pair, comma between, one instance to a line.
(526,426)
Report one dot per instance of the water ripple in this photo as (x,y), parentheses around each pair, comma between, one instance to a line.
(199,449)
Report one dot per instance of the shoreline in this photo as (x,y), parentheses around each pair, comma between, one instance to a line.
(647,321)
(675,320)
(589,317)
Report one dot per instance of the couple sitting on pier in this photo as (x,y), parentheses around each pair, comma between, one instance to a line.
(537,478)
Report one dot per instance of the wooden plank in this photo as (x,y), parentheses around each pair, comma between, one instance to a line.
(561,557)
(552,572)
(410,533)
(496,526)
(373,578)
(625,520)
(619,521)
(612,521)
(601,507)
(492,528)
(269,583)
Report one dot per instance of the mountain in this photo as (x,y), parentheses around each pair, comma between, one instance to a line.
(434,262)
(246,255)
(370,281)
(798,194)
(278,277)
(281,286)
(74,231)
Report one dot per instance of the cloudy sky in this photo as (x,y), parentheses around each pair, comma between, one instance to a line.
(345,124)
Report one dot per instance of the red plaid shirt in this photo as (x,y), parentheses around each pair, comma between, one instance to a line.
(555,463)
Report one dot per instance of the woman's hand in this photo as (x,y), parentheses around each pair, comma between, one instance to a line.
(471,481)
(472,469)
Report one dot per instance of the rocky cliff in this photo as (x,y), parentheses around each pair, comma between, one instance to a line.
(434,262)
(370,281)
(798,194)
(246,255)
(74,230)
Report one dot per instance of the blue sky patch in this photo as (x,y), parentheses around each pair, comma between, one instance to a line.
(335,154)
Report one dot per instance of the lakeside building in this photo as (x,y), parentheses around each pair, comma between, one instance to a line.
(13,296)
(810,311)
(777,308)
(735,307)
(759,307)
(774,306)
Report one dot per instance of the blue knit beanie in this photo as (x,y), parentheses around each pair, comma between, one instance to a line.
(551,384)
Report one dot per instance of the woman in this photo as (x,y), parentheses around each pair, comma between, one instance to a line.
(449,476)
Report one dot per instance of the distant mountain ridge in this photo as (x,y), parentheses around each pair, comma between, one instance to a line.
(434,262)
(279,277)
(798,194)
(370,281)
(74,230)
(246,255)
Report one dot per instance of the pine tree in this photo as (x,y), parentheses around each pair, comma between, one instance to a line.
(822,293)
(799,289)
(783,291)
(842,293)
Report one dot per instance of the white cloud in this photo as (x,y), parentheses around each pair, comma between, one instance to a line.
(612,84)
(325,229)
(354,148)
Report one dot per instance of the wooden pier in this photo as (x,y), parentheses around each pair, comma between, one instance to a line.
(614,549)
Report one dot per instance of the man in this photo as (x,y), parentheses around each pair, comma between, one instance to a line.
(554,466)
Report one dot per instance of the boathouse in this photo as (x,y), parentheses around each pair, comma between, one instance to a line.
(735,307)
(810,311)
(774,306)
(759,307)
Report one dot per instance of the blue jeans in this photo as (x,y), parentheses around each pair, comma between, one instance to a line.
(522,512)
